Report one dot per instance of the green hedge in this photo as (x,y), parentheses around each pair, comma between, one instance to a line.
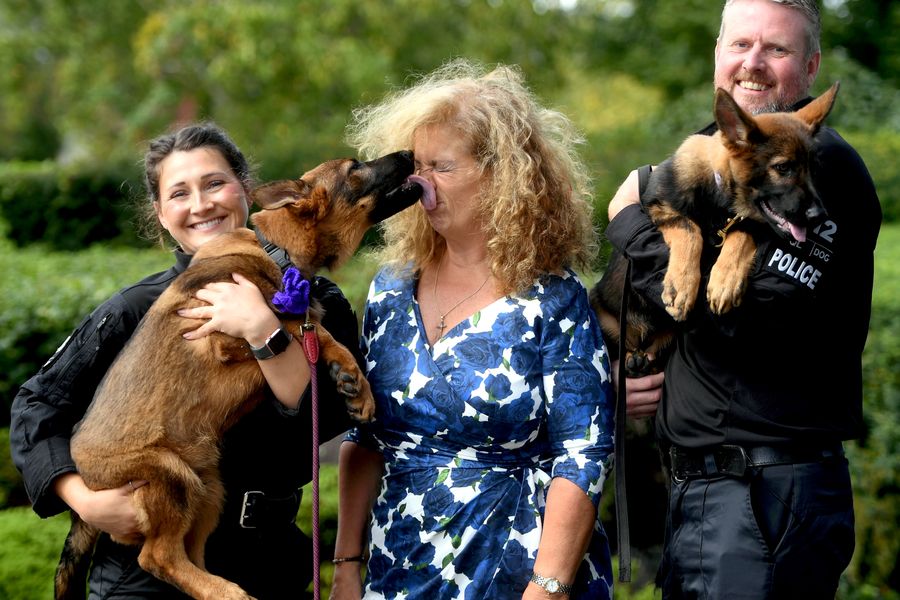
(67,209)
(880,150)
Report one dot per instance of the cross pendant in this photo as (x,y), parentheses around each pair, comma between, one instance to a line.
(441,327)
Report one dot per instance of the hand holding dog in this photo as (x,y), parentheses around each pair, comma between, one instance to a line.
(642,394)
(628,193)
(235,308)
(109,510)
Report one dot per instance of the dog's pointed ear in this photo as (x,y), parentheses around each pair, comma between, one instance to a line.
(814,113)
(738,127)
(278,193)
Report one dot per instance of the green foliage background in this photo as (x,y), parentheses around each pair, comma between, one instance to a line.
(84,83)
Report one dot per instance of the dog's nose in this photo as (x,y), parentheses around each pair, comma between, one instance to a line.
(406,154)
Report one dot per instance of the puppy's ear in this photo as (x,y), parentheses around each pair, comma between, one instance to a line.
(815,112)
(738,127)
(278,193)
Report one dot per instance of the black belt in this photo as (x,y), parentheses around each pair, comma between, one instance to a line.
(735,461)
(259,509)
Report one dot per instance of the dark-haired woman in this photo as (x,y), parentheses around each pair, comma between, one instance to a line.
(198,185)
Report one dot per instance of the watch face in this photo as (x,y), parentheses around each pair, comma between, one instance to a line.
(552,586)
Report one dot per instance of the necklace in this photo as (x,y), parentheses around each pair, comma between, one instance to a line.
(441,326)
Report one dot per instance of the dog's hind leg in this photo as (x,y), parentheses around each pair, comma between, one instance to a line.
(728,278)
(205,519)
(169,508)
(164,556)
(71,573)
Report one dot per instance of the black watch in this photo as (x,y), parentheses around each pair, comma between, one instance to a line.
(275,345)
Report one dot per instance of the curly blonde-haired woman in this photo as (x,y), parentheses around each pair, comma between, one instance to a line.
(481,476)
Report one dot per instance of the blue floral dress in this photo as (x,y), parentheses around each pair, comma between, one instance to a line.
(473,430)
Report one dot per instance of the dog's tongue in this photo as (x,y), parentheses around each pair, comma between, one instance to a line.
(428,198)
(798,232)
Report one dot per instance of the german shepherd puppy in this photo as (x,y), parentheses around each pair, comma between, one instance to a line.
(163,406)
(754,169)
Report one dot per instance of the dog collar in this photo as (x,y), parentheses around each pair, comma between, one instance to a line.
(722,233)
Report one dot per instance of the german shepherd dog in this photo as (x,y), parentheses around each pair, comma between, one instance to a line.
(754,169)
(163,406)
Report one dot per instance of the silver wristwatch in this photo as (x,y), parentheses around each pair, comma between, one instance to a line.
(551,584)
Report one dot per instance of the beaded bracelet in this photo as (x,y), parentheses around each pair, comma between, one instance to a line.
(344,559)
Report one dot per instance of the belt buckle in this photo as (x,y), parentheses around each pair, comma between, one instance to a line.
(248,518)
(676,461)
(735,461)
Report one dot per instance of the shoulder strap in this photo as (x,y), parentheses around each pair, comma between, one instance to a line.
(643,179)
(622,533)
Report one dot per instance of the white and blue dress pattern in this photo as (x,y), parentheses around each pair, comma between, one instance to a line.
(473,430)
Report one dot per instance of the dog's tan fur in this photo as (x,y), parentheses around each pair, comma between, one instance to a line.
(163,406)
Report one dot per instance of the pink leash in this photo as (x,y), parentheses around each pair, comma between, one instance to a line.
(311,349)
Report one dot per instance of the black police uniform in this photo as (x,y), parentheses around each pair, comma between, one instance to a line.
(268,451)
(756,402)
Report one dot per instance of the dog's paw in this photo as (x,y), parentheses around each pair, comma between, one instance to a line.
(347,381)
(679,291)
(233,592)
(678,301)
(725,289)
(638,364)
(356,391)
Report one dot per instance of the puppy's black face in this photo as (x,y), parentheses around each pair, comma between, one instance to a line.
(321,218)
(382,185)
(376,189)
(778,187)
(770,158)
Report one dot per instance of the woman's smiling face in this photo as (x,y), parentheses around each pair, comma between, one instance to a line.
(199,197)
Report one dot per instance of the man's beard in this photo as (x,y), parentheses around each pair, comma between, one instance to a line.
(790,93)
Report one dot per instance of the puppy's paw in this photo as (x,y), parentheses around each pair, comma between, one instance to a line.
(725,289)
(362,407)
(233,592)
(680,287)
(356,391)
(638,364)
(678,298)
(347,381)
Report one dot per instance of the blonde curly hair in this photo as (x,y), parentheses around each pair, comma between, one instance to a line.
(535,207)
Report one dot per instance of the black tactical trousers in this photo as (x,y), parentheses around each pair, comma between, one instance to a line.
(270,564)
(781,531)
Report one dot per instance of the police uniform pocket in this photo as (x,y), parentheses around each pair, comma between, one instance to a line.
(771,497)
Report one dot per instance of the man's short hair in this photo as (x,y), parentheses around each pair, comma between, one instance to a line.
(809,9)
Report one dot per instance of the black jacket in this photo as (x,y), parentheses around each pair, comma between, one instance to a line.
(786,365)
(268,450)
